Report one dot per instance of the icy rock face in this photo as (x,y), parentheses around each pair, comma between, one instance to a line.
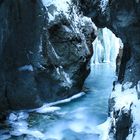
(106,47)
(122,17)
(68,51)
(123,113)
(45,48)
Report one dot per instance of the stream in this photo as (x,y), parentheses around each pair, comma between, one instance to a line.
(75,120)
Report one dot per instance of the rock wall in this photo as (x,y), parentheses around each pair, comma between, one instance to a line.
(43,57)
(123,18)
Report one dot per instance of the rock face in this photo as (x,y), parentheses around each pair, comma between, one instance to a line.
(43,57)
(121,121)
(123,18)
(20,29)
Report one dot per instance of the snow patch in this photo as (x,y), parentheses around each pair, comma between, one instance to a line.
(50,107)
(136,121)
(103,5)
(54,52)
(68,81)
(26,68)
(138,87)
(46,109)
(61,5)
(18,116)
(104,129)
(19,125)
(68,99)
(124,99)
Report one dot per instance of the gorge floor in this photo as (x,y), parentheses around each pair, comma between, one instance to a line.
(76,120)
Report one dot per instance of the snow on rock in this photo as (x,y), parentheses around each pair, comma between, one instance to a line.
(47,109)
(61,6)
(106,47)
(67,81)
(104,129)
(136,121)
(124,98)
(34,133)
(103,5)
(23,115)
(125,101)
(4,136)
(138,87)
(26,68)
(14,116)
(68,99)
(19,126)
(65,77)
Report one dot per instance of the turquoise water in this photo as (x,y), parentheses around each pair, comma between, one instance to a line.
(76,120)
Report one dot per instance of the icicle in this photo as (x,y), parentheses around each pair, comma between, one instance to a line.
(106,47)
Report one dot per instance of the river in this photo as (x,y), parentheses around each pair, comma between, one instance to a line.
(76,120)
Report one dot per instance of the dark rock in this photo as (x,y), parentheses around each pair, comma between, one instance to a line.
(121,121)
(120,127)
(21,27)
(125,58)
(40,60)
(122,17)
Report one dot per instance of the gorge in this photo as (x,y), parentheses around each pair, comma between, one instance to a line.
(47,51)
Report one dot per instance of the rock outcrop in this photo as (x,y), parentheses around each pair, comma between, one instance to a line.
(123,18)
(43,57)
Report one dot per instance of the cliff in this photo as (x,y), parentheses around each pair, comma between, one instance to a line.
(44,52)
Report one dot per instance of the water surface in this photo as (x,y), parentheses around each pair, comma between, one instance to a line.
(76,120)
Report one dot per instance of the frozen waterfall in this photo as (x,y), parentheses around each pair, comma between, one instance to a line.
(106,47)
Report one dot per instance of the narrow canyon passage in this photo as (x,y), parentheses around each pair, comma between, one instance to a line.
(79,118)
(47,89)
(76,120)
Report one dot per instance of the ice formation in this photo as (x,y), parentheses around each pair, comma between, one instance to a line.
(106,46)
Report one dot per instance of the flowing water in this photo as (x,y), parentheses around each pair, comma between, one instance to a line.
(76,120)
